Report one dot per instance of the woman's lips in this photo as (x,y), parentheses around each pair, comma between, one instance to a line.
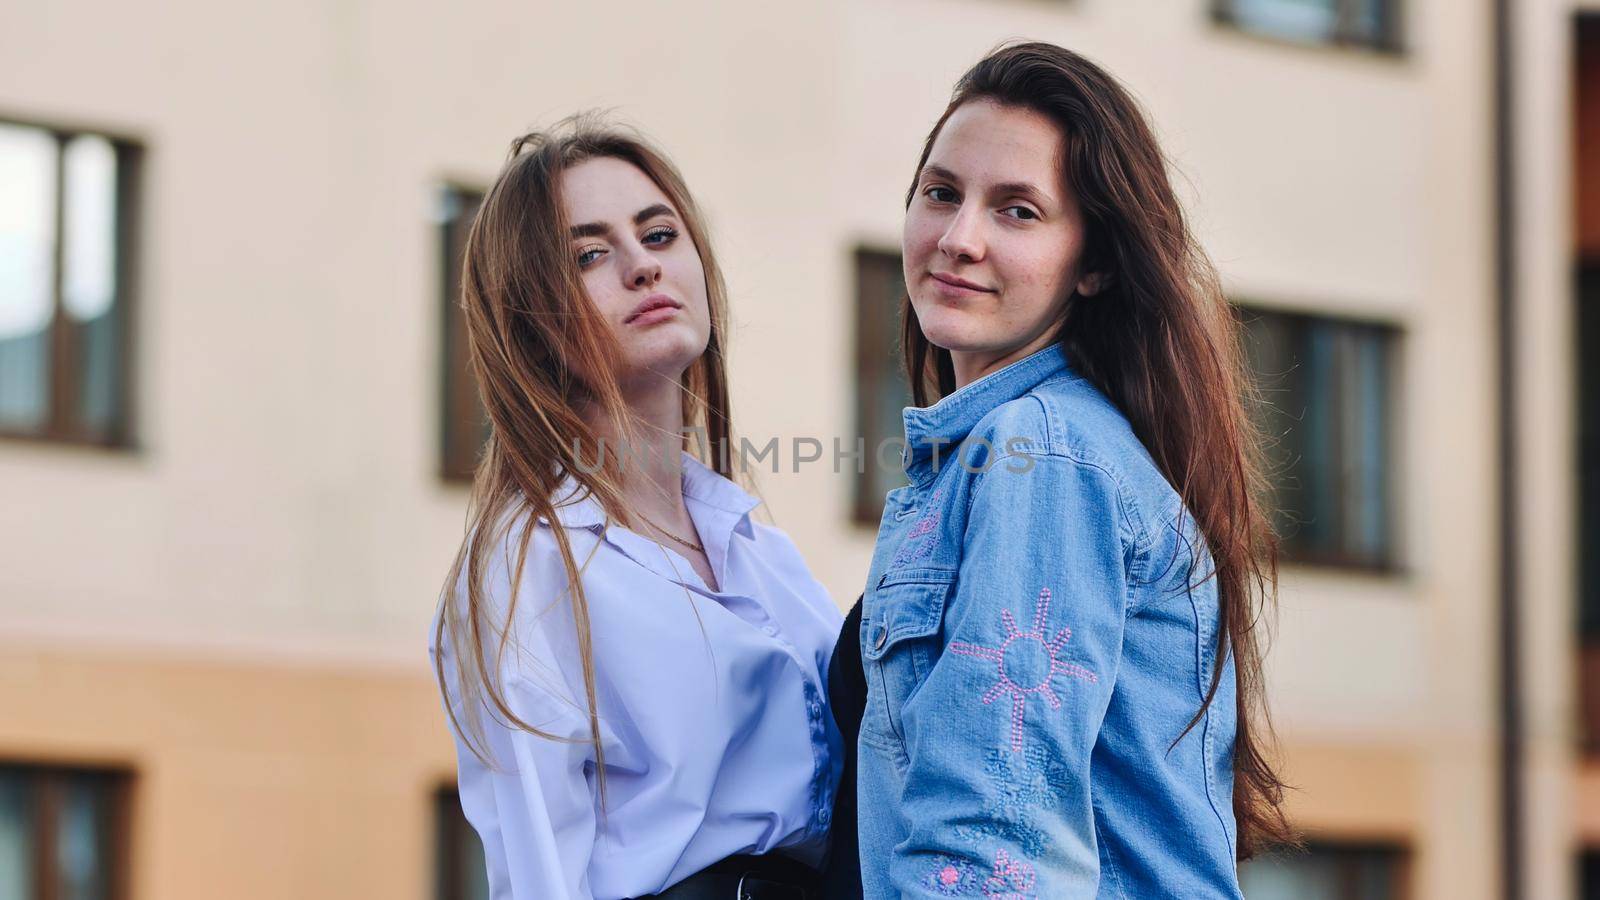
(655,308)
(957,286)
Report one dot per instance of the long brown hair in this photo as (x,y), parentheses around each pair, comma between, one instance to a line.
(543,358)
(1160,340)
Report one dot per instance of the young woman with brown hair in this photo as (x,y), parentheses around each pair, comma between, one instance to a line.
(1061,632)
(632,665)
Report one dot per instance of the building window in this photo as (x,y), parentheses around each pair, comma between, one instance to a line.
(881,388)
(1589,874)
(1588,338)
(63,833)
(1328,872)
(1586,353)
(1327,392)
(464,426)
(1363,23)
(461,871)
(66,265)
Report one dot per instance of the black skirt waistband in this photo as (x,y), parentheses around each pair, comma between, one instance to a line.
(767,877)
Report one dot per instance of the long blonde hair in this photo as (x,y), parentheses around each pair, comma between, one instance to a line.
(542,357)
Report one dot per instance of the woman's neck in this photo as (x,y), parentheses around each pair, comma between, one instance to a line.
(651,457)
(969,366)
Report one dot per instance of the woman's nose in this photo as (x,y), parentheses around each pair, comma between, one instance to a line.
(643,269)
(963,239)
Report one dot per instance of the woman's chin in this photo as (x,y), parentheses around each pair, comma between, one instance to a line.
(949,329)
(661,363)
(954,339)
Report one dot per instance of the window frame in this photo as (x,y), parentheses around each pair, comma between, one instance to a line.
(1388,560)
(448,823)
(1586,519)
(62,334)
(457,461)
(1400,851)
(48,783)
(866,506)
(1389,42)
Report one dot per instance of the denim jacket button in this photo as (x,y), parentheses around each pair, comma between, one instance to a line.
(883,635)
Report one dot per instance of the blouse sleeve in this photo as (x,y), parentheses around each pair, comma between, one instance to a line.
(1001,732)
(531,803)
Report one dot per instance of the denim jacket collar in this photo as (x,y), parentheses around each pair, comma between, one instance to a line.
(940,428)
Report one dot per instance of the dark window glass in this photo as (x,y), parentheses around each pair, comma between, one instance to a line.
(1589,875)
(881,388)
(65,274)
(1327,397)
(461,872)
(18,835)
(464,425)
(1328,872)
(63,833)
(1586,289)
(1588,316)
(1371,23)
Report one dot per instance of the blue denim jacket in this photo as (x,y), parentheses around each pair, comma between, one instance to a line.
(1033,650)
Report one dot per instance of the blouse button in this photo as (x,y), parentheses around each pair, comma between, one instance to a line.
(883,635)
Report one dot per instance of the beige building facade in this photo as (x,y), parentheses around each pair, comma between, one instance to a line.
(228,610)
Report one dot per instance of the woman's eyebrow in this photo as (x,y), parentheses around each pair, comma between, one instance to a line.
(601,229)
(1021,189)
(650,212)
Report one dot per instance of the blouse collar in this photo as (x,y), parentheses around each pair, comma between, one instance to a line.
(575,507)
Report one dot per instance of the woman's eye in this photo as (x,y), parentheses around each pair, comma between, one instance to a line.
(941,194)
(585,257)
(1021,212)
(662,235)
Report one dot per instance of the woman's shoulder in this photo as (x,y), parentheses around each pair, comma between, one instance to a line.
(1069,422)
(521,574)
(780,553)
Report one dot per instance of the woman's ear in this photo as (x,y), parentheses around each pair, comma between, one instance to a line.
(1093,283)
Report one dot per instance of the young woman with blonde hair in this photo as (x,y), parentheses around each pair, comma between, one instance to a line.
(632,665)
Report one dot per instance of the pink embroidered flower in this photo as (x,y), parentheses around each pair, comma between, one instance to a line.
(953,878)
(1026,662)
(1012,879)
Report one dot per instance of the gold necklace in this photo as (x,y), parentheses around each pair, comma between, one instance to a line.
(690,544)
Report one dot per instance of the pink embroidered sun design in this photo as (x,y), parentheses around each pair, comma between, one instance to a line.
(1023,649)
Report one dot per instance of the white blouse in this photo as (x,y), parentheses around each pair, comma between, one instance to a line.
(712,706)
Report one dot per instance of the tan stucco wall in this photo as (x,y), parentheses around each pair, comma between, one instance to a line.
(251,780)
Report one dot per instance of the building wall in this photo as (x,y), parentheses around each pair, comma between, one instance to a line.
(265,780)
(251,584)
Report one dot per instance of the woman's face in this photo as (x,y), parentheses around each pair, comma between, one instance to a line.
(639,266)
(993,238)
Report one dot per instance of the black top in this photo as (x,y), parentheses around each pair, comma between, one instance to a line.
(847,694)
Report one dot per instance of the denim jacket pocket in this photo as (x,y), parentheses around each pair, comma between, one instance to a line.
(898,647)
